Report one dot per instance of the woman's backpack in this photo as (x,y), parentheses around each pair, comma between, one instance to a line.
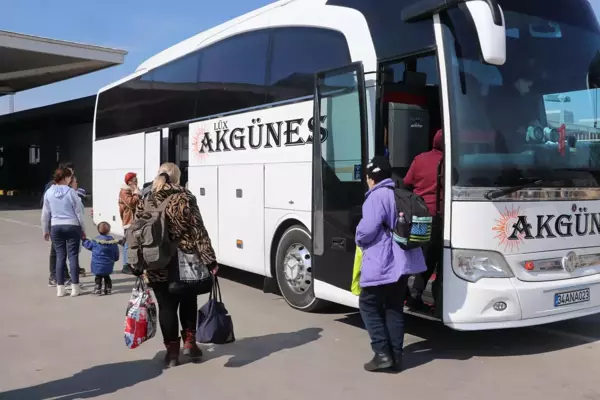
(413,224)
(148,244)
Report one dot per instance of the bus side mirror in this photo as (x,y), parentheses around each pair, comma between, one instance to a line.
(492,37)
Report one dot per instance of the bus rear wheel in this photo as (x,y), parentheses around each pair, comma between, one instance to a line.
(293,267)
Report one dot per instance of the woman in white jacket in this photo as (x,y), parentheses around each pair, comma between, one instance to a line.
(62,221)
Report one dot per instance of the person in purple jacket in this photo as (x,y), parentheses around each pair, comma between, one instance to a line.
(385,269)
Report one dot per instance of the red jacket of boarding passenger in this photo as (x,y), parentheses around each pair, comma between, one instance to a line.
(422,175)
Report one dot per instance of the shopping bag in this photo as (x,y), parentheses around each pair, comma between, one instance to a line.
(140,318)
(356,271)
(214,322)
(189,276)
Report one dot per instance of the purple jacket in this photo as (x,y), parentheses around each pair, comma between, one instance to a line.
(384,262)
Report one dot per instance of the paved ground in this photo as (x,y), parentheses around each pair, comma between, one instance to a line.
(72,348)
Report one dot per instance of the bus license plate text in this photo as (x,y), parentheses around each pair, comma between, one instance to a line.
(573,297)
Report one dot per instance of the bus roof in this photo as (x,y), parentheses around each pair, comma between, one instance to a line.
(198,41)
(195,42)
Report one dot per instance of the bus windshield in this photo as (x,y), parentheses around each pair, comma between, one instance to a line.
(536,116)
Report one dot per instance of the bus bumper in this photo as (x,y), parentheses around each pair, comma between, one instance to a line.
(511,303)
(481,326)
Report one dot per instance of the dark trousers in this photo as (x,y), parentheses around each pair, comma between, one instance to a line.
(105,278)
(66,240)
(53,264)
(382,311)
(433,256)
(168,303)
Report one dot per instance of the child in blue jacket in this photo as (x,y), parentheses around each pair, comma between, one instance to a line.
(105,252)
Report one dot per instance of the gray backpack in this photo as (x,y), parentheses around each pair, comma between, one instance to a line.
(147,238)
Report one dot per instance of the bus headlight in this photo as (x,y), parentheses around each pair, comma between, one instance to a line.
(473,265)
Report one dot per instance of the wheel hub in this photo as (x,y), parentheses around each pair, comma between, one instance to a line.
(297,266)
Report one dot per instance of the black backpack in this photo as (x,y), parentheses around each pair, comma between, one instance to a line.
(414,223)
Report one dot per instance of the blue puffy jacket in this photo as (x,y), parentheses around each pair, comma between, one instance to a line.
(105,252)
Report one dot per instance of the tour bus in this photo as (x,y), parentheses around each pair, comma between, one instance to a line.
(273,116)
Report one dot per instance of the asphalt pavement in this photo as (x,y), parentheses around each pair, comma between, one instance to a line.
(73,348)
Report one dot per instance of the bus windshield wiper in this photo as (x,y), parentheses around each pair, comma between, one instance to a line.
(496,193)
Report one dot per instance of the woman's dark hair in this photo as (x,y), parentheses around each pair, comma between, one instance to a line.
(66,164)
(61,174)
(379,176)
(379,169)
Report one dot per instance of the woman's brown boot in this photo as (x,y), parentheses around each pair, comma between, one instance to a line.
(190,348)
(172,356)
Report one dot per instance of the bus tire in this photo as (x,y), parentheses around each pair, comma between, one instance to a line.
(293,269)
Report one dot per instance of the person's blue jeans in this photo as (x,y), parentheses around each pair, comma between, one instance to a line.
(125,247)
(66,240)
(382,311)
(125,254)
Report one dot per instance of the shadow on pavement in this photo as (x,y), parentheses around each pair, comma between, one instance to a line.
(442,343)
(92,382)
(248,350)
(245,278)
(122,283)
(258,282)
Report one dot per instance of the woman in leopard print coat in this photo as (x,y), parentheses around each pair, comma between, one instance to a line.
(185,226)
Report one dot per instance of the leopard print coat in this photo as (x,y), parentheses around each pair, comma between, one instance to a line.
(185,226)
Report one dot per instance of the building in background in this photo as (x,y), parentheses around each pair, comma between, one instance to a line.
(32,141)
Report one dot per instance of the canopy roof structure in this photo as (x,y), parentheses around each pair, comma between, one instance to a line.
(27,62)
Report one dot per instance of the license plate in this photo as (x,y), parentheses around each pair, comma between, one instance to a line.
(572,297)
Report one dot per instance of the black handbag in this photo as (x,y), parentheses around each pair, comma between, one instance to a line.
(214,322)
(188,276)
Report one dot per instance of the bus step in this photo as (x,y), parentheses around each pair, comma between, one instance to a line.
(420,314)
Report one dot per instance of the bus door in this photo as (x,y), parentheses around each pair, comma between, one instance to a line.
(175,149)
(339,159)
(152,146)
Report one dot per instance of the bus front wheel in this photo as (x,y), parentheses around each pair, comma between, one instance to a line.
(294,269)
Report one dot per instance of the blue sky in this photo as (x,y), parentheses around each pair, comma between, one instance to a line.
(141,28)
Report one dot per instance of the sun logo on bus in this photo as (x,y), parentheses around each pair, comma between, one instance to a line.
(197,138)
(504,228)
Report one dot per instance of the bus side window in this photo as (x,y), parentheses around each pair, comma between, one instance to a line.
(300,52)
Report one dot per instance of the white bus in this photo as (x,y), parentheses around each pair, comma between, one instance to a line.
(238,107)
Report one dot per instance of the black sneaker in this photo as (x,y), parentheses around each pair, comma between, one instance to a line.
(379,362)
(398,361)
(98,290)
(107,291)
(51,282)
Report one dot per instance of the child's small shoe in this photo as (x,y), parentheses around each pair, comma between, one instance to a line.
(98,289)
(107,291)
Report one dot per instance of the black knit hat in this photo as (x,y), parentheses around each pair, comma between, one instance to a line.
(379,168)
